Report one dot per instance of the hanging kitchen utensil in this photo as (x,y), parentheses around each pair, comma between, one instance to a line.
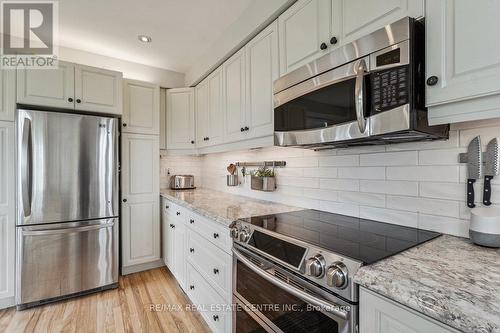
(492,158)
(474,168)
(231,168)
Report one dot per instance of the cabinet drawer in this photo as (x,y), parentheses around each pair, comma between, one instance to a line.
(214,309)
(212,262)
(217,234)
(178,213)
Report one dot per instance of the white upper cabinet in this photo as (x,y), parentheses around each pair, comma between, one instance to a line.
(261,71)
(47,87)
(141,108)
(7,94)
(180,118)
(7,218)
(216,123)
(98,90)
(463,54)
(304,33)
(361,17)
(71,86)
(202,111)
(234,96)
(163,118)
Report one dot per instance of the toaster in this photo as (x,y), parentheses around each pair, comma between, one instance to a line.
(181,182)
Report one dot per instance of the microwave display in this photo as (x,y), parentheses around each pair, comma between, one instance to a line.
(389,58)
(389,88)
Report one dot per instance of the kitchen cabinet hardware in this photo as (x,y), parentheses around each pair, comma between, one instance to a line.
(246,128)
(216,235)
(323,46)
(432,80)
(167,206)
(70,100)
(333,40)
(124,200)
(191,250)
(216,271)
(191,221)
(178,213)
(78,100)
(191,287)
(192,142)
(124,125)
(242,129)
(216,318)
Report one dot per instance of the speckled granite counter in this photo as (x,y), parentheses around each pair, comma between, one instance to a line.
(223,207)
(448,279)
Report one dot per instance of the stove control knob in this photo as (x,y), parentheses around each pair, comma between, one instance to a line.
(234,232)
(244,235)
(315,266)
(337,275)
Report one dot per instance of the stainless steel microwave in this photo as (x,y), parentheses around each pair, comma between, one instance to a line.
(371,91)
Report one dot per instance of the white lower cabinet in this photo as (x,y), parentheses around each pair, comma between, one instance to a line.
(7,218)
(378,314)
(196,251)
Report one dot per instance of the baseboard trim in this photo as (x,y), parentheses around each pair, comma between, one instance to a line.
(7,302)
(142,267)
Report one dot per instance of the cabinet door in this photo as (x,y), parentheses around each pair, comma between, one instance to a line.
(262,70)
(234,96)
(216,123)
(302,30)
(47,87)
(180,118)
(140,199)
(98,90)
(7,219)
(141,108)
(179,254)
(361,17)
(7,94)
(457,33)
(202,110)
(163,118)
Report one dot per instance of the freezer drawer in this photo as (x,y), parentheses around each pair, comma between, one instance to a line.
(56,260)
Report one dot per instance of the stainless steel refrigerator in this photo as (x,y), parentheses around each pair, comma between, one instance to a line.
(67,205)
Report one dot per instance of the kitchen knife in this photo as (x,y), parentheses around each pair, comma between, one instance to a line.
(474,168)
(491,169)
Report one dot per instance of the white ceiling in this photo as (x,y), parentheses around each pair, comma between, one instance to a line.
(182,30)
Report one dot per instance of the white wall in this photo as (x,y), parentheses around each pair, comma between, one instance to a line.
(256,17)
(130,70)
(416,184)
(179,165)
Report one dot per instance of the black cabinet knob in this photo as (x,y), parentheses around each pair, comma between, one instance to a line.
(192,142)
(124,125)
(191,221)
(70,100)
(124,200)
(242,129)
(171,225)
(333,40)
(78,100)
(191,250)
(323,46)
(246,128)
(178,213)
(167,206)
(191,287)
(432,80)
(208,138)
(216,235)
(216,271)
(216,317)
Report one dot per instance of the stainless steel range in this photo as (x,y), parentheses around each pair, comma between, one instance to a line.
(293,271)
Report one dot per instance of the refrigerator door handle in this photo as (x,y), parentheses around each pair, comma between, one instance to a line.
(69,230)
(26,167)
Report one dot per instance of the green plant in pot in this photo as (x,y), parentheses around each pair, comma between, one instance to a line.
(263,180)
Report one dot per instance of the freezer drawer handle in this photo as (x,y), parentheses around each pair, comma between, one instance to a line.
(67,230)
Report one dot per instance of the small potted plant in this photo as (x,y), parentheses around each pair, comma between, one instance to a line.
(263,180)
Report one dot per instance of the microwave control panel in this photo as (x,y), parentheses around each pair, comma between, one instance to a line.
(390,88)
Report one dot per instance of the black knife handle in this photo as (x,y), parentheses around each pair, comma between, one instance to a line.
(470,193)
(487,190)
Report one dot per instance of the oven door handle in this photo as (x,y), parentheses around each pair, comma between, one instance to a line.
(359,92)
(326,306)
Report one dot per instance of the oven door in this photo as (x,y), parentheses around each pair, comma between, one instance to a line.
(331,107)
(269,298)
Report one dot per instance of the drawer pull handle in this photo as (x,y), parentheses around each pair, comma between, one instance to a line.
(216,318)
(191,287)
(216,271)
(178,213)
(167,206)
(172,226)
(216,235)
(191,221)
(191,250)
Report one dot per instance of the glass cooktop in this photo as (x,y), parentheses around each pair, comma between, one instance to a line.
(364,240)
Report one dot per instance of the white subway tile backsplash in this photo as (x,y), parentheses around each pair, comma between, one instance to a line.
(413,184)
(389,187)
(386,159)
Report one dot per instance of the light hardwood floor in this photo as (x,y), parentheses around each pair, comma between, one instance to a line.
(126,309)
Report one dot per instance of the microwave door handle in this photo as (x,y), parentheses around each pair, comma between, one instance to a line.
(26,167)
(328,307)
(359,92)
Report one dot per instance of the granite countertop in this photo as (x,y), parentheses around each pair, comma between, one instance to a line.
(223,207)
(448,279)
